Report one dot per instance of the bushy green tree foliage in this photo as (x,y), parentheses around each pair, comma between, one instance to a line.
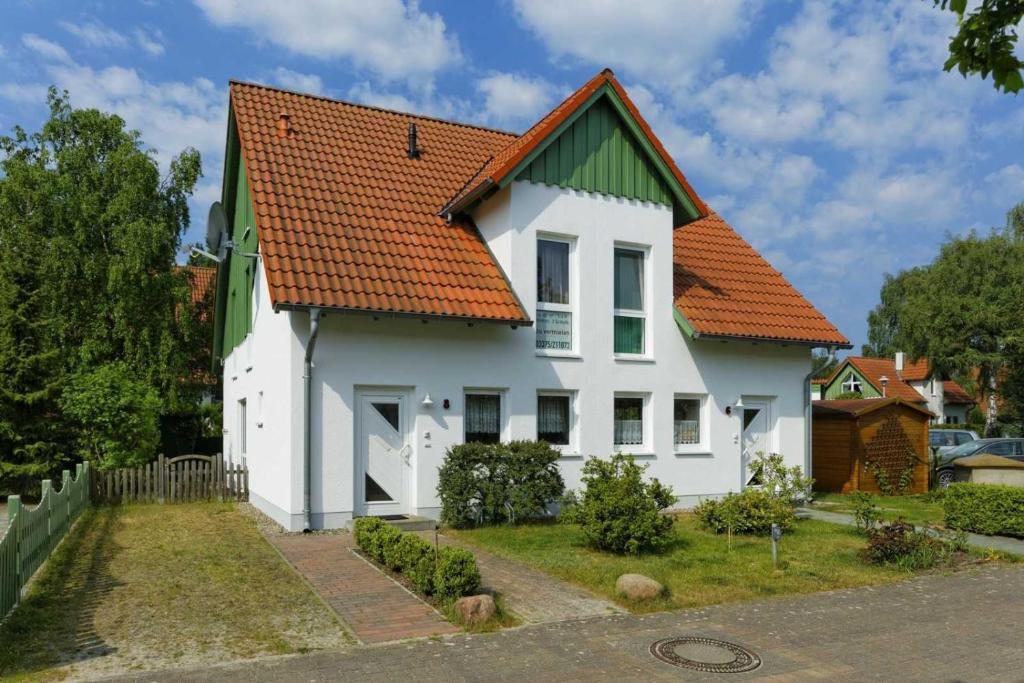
(986,40)
(89,231)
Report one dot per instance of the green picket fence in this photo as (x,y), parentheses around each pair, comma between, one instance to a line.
(32,534)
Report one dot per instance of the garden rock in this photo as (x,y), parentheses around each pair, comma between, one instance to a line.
(638,587)
(475,609)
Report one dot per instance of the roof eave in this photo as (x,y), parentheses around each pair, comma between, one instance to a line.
(514,322)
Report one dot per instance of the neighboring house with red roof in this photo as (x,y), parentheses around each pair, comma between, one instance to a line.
(393,285)
(899,377)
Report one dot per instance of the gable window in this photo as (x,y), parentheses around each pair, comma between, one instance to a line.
(630,318)
(554,298)
(554,418)
(629,421)
(686,422)
(851,384)
(483,418)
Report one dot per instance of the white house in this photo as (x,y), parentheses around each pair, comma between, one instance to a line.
(396,284)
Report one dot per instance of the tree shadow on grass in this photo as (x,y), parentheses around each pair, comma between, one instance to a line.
(55,624)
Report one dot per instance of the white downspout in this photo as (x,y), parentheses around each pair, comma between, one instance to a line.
(307,375)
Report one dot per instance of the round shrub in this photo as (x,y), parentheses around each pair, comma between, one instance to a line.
(619,511)
(751,512)
(365,531)
(387,537)
(480,482)
(456,574)
(419,567)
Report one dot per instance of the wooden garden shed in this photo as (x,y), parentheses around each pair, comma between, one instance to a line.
(870,445)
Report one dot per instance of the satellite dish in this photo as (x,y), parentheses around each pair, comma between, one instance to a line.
(216,229)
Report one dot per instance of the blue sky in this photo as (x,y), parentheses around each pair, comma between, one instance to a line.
(825,132)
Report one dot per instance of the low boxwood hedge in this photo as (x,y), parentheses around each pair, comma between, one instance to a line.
(449,574)
(985,509)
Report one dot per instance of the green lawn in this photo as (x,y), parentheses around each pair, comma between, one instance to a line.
(153,586)
(916,509)
(697,568)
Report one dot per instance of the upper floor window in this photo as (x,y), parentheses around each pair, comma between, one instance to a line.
(630,316)
(851,384)
(554,298)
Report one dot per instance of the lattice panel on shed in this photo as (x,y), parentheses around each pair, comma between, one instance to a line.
(890,448)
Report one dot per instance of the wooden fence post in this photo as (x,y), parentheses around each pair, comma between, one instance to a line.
(161,478)
(14,529)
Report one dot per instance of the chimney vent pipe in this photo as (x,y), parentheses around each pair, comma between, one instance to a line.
(414,150)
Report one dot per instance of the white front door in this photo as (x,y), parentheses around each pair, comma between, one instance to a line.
(383,453)
(755,439)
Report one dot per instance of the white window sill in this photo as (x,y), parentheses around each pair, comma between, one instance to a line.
(633,358)
(700,452)
(640,452)
(571,355)
(570,455)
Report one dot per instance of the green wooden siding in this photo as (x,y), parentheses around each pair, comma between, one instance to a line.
(241,269)
(598,153)
(836,388)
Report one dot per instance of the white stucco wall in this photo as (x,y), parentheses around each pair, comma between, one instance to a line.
(444,358)
(269,360)
(934,395)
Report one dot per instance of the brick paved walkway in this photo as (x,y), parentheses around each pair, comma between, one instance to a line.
(375,607)
(534,596)
(961,627)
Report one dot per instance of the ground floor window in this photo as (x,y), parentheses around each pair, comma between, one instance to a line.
(686,425)
(483,418)
(629,420)
(242,423)
(554,418)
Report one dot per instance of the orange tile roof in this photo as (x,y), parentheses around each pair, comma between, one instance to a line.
(915,371)
(952,392)
(202,279)
(725,288)
(874,368)
(346,220)
(508,158)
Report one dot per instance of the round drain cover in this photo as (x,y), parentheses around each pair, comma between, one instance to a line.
(705,654)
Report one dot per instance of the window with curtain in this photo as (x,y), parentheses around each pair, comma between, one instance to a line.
(554,302)
(687,421)
(483,418)
(553,419)
(629,421)
(630,319)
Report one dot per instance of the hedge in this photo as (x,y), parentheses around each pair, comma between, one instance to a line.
(987,509)
(449,573)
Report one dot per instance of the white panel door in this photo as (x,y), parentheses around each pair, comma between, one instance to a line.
(755,439)
(383,448)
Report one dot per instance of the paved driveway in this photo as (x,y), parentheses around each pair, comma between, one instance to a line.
(961,627)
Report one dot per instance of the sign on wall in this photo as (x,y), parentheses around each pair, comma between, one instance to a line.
(554,330)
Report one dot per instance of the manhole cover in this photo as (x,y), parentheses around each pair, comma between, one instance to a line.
(705,654)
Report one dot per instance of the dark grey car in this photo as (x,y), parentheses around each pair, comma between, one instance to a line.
(1008,448)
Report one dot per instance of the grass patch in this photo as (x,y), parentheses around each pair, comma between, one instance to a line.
(696,567)
(153,586)
(917,509)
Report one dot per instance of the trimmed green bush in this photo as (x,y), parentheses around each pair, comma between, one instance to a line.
(456,574)
(985,509)
(619,511)
(480,482)
(450,573)
(899,544)
(753,511)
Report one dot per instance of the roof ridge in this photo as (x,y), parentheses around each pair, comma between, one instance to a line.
(371,107)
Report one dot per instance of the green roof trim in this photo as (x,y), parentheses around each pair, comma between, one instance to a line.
(683,323)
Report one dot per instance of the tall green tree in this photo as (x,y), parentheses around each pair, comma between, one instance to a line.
(89,231)
(885,336)
(986,41)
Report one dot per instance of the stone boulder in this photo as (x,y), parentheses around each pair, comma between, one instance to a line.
(475,609)
(638,587)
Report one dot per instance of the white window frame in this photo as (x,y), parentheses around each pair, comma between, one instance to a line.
(571,448)
(645,417)
(645,252)
(572,308)
(503,434)
(702,444)
(854,381)
(243,431)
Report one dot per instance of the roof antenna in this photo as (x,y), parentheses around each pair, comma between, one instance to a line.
(414,152)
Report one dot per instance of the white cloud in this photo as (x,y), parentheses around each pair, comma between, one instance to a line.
(150,41)
(393,39)
(662,41)
(514,98)
(45,48)
(95,34)
(1004,187)
(300,82)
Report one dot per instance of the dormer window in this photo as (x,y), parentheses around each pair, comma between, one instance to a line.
(851,384)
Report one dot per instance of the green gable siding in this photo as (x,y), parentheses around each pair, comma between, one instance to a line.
(241,269)
(836,387)
(598,153)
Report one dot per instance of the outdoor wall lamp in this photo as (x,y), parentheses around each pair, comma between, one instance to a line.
(426,402)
